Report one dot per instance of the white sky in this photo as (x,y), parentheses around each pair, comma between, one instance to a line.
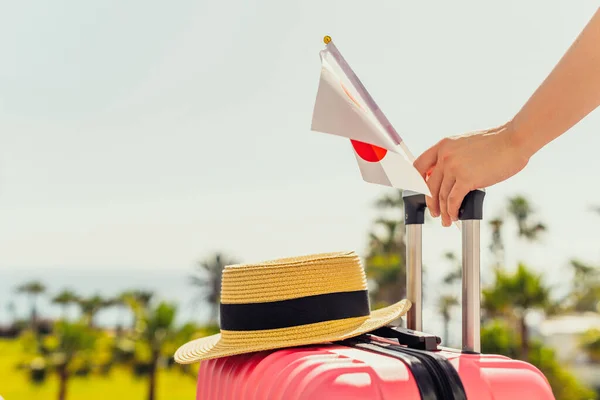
(147,134)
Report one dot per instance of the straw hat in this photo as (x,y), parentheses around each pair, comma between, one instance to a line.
(291,302)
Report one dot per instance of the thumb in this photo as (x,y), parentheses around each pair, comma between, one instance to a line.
(426,161)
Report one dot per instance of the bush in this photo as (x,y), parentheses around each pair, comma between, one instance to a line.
(590,343)
(564,385)
(104,369)
(141,368)
(38,371)
(498,338)
(9,332)
(124,351)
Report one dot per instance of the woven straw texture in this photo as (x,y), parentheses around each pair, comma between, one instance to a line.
(284,279)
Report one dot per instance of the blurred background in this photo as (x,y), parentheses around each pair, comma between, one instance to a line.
(144,145)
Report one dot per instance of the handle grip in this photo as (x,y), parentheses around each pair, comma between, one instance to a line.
(470,213)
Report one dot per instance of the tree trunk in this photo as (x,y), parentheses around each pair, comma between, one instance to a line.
(392,292)
(134,320)
(63,377)
(33,313)
(524,338)
(214,312)
(91,320)
(152,377)
(120,324)
(446,337)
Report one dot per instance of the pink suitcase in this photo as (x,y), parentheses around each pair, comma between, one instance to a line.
(392,362)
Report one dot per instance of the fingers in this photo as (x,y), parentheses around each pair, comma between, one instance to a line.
(455,199)
(446,194)
(426,161)
(445,189)
(434,182)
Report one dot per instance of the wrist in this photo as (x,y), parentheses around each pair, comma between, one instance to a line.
(519,139)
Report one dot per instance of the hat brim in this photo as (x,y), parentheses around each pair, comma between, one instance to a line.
(216,346)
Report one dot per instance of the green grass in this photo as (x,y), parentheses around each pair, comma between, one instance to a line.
(119,384)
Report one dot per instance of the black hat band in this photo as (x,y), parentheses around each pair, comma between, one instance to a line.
(294,312)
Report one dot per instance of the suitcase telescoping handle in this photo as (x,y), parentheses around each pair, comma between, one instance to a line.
(470,215)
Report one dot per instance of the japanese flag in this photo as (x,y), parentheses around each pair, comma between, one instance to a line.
(344,107)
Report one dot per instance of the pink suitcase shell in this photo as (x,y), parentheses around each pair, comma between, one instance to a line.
(332,372)
(372,367)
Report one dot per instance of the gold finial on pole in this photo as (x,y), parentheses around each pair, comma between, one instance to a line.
(327,39)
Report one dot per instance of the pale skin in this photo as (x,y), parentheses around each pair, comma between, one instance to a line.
(456,165)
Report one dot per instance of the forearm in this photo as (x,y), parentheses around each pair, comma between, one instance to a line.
(569,93)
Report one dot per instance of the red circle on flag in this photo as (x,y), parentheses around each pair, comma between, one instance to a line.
(368,152)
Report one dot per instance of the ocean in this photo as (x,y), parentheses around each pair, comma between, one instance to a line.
(168,285)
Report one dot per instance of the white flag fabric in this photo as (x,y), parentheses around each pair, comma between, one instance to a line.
(338,111)
(389,168)
(343,107)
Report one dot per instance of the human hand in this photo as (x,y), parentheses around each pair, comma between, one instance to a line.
(457,165)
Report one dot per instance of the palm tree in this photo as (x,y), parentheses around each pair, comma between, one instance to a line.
(394,240)
(138,301)
(445,305)
(521,210)
(455,273)
(208,281)
(517,292)
(497,245)
(33,289)
(73,340)
(585,291)
(583,272)
(447,302)
(159,330)
(11,308)
(65,299)
(590,343)
(392,200)
(386,263)
(90,306)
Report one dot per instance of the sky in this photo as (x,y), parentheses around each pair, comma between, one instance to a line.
(146,135)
